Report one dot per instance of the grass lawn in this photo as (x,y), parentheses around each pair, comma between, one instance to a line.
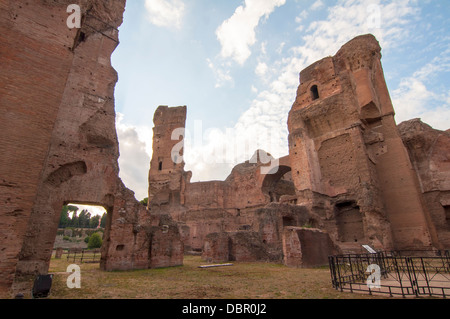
(240,281)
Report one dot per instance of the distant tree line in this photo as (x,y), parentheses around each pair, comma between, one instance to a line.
(82,220)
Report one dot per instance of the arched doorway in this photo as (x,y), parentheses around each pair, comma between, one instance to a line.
(278,184)
(349,222)
(80,233)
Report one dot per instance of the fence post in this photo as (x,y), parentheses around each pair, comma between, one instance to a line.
(351,270)
(339,274)
(394,259)
(426,277)
(446,261)
(332,271)
(412,275)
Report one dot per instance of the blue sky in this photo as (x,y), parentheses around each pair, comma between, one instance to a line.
(235,64)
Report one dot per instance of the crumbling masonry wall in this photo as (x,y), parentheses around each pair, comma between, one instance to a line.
(349,180)
(306,247)
(230,209)
(81,163)
(239,219)
(346,151)
(57,100)
(36,63)
(348,172)
(429,150)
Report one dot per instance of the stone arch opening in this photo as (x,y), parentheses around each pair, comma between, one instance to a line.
(278,184)
(370,113)
(447,215)
(314,92)
(289,221)
(349,222)
(41,245)
(78,222)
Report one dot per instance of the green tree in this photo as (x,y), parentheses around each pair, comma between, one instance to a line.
(65,220)
(84,219)
(74,223)
(94,222)
(72,208)
(95,241)
(103,221)
(144,201)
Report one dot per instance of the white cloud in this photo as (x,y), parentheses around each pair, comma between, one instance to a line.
(317,5)
(264,48)
(165,13)
(261,69)
(410,99)
(264,124)
(221,73)
(93,210)
(281,47)
(237,34)
(134,161)
(438,117)
(414,99)
(302,16)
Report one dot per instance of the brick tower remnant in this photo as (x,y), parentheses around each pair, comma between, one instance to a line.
(349,163)
(348,179)
(167,178)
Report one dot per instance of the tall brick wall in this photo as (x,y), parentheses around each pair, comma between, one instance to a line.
(344,144)
(429,151)
(167,178)
(60,144)
(81,164)
(36,63)
(348,173)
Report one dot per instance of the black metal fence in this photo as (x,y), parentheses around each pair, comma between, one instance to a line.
(395,273)
(84,255)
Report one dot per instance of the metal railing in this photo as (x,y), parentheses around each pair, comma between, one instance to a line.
(84,255)
(401,273)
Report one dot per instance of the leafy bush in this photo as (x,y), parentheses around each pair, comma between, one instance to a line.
(95,241)
(67,238)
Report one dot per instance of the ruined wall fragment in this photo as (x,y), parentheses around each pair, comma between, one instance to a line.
(139,239)
(57,100)
(34,49)
(429,151)
(344,144)
(348,174)
(306,247)
(81,164)
(167,178)
(50,89)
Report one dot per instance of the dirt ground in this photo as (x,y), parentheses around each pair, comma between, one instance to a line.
(239,281)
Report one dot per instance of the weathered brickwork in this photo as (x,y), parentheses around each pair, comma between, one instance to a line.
(345,145)
(352,175)
(348,179)
(57,99)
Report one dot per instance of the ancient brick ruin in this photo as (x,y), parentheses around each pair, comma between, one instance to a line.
(60,143)
(352,176)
